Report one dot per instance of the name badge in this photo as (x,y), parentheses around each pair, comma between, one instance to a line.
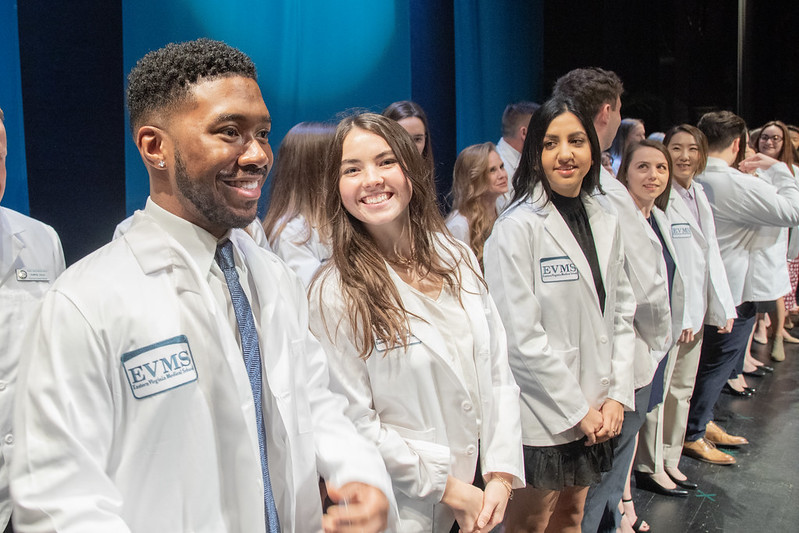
(27,274)
(410,340)
(557,269)
(159,367)
(681,231)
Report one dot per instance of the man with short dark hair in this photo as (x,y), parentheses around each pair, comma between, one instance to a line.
(174,385)
(750,213)
(515,120)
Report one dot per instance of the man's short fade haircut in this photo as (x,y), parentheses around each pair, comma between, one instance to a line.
(721,128)
(590,88)
(163,78)
(514,113)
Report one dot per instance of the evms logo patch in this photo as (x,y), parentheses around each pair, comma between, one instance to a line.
(555,269)
(159,367)
(681,231)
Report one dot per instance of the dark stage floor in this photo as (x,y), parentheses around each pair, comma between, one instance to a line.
(758,494)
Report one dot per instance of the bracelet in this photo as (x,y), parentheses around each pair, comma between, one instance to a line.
(505,484)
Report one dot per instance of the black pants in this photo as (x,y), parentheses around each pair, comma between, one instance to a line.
(721,353)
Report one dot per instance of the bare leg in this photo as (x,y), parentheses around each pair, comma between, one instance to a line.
(530,510)
(568,514)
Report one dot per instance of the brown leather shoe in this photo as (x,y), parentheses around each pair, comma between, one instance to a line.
(706,451)
(716,434)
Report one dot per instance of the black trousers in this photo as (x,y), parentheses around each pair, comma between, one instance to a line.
(721,354)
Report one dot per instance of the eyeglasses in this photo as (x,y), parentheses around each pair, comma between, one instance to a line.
(776,139)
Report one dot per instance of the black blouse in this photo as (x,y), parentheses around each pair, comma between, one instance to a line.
(573,212)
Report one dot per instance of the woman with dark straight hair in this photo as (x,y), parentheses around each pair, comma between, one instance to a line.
(554,265)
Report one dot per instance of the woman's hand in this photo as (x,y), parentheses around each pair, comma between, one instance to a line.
(727,327)
(612,418)
(466,502)
(686,336)
(495,501)
(590,425)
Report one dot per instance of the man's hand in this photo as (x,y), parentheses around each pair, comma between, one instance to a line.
(686,336)
(727,327)
(359,508)
(758,161)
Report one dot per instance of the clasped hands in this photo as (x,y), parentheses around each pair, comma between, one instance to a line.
(602,424)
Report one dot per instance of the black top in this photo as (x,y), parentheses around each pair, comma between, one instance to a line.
(666,254)
(573,212)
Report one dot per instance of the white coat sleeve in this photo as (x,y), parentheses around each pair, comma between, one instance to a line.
(342,454)
(459,227)
(773,201)
(501,444)
(294,247)
(720,303)
(547,385)
(622,374)
(64,425)
(417,468)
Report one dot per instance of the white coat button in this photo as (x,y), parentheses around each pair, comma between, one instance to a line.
(2,385)
(470,449)
(603,339)
(605,382)
(9,439)
(466,406)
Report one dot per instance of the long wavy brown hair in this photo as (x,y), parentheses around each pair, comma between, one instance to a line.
(297,184)
(374,306)
(469,185)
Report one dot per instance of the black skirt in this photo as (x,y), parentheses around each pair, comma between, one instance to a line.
(567,465)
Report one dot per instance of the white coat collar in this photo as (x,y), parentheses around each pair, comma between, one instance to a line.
(602,228)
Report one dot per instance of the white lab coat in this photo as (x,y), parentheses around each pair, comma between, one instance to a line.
(707,292)
(642,251)
(301,248)
(92,457)
(749,212)
(566,355)
(416,407)
(31,259)
(458,226)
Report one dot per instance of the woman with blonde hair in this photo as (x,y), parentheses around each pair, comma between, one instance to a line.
(478,180)
(415,343)
(293,221)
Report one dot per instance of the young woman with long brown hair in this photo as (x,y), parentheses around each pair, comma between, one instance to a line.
(414,340)
(478,180)
(293,221)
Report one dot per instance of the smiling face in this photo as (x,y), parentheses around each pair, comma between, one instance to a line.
(685,157)
(372,185)
(497,175)
(771,142)
(647,176)
(415,127)
(566,154)
(217,155)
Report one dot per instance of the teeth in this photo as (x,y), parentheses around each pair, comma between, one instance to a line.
(376,199)
(248,185)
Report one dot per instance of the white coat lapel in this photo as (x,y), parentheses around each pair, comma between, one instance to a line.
(560,232)
(686,216)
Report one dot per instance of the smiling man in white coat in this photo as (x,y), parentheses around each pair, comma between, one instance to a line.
(30,260)
(173,384)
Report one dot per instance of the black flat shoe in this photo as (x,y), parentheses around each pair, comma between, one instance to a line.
(751,389)
(766,368)
(644,481)
(757,373)
(732,392)
(684,483)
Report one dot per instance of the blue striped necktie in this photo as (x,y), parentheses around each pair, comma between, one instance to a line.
(252,360)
